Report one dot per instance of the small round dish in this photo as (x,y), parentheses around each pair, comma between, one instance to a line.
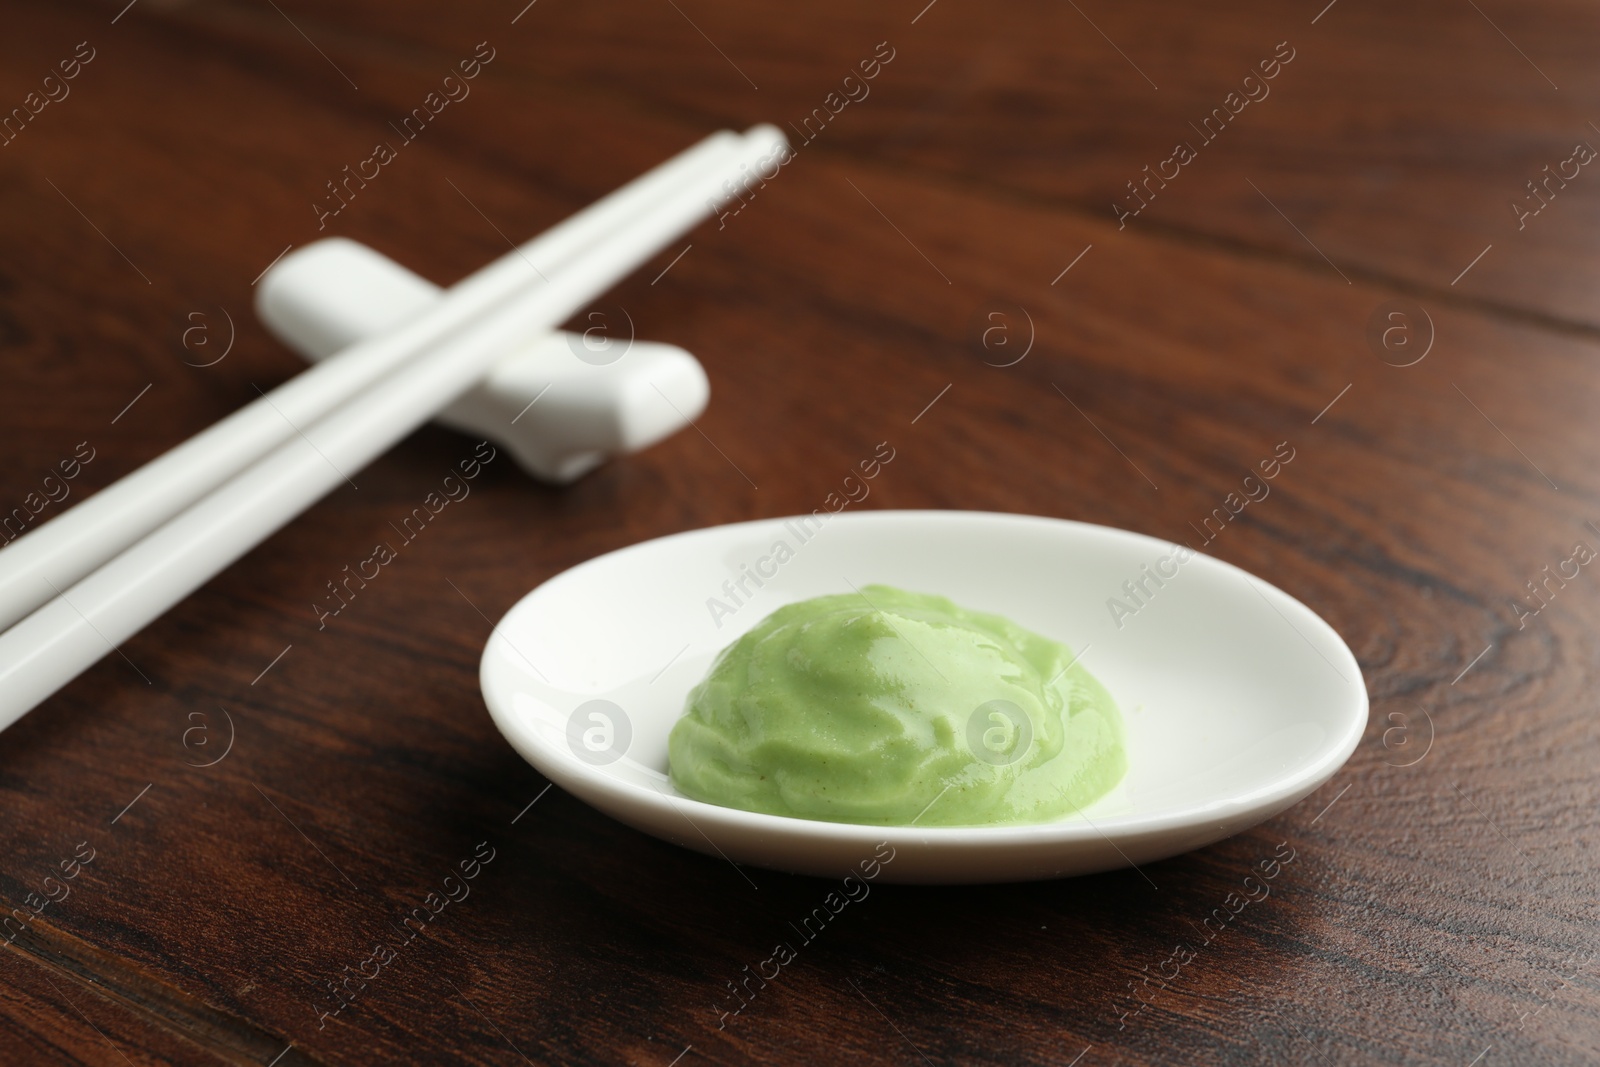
(1237,699)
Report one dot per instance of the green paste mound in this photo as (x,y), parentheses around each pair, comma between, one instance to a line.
(891,708)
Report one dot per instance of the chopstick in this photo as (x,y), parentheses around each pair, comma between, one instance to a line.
(57,553)
(69,633)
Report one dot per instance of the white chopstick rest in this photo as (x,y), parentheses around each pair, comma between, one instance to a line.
(55,643)
(57,553)
(559,416)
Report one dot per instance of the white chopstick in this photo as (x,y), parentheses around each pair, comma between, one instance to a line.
(57,642)
(63,550)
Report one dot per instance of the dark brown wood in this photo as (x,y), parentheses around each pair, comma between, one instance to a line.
(1429,118)
(1437,907)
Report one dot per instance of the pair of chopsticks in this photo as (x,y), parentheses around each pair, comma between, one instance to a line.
(74,588)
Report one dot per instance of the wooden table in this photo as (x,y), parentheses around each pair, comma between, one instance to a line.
(1440,906)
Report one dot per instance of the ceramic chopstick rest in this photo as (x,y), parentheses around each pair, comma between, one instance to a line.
(561,404)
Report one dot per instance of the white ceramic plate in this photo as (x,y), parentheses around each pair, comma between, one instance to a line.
(1238,699)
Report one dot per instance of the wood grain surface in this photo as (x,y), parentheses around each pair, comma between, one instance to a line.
(1440,905)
